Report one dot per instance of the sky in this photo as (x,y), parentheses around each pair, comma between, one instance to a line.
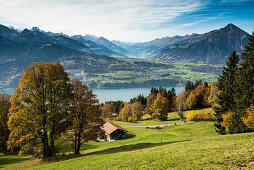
(127,20)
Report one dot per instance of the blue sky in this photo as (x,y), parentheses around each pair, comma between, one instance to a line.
(128,20)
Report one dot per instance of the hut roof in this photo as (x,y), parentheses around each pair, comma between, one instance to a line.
(217,105)
(114,114)
(111,127)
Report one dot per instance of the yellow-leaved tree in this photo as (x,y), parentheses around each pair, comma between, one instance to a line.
(249,120)
(131,112)
(4,131)
(160,107)
(85,115)
(39,108)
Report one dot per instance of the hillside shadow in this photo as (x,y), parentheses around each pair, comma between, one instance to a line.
(4,160)
(128,136)
(119,149)
(88,146)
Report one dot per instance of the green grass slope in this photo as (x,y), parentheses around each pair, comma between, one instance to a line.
(169,147)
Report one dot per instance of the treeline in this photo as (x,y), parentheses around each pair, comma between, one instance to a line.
(161,101)
(235,112)
(47,107)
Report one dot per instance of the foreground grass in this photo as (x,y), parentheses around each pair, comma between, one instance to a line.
(153,148)
(12,160)
(160,148)
(136,138)
(216,152)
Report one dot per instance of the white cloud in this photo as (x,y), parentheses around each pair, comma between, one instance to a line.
(129,20)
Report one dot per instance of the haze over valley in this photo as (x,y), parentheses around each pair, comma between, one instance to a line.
(102,63)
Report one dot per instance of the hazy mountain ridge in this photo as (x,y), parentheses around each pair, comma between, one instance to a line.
(213,47)
(105,42)
(40,37)
(95,47)
(77,54)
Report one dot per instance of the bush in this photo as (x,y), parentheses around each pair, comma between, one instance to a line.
(132,119)
(118,118)
(227,121)
(249,120)
(192,115)
(210,116)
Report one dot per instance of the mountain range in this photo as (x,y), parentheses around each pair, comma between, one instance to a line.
(88,57)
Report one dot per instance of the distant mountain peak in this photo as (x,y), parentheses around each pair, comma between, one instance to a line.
(25,31)
(35,29)
(231,26)
(91,36)
(77,36)
(212,47)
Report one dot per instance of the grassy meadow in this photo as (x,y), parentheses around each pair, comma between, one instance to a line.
(153,148)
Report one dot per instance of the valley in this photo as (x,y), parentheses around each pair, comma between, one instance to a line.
(112,64)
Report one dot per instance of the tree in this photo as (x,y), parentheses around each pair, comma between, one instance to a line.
(180,100)
(226,85)
(154,91)
(85,114)
(163,91)
(228,122)
(4,132)
(249,120)
(160,107)
(189,86)
(132,112)
(171,93)
(107,110)
(197,98)
(214,91)
(38,110)
(125,113)
(136,111)
(141,99)
(149,102)
(245,80)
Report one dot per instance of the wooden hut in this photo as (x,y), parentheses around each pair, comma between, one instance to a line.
(113,131)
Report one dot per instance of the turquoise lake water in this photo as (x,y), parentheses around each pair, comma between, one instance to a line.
(124,94)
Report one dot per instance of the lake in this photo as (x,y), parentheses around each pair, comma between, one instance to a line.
(124,94)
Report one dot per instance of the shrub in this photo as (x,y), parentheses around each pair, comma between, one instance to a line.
(200,117)
(209,115)
(227,121)
(249,120)
(192,115)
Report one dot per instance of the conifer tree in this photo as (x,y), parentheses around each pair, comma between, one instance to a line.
(245,78)
(226,84)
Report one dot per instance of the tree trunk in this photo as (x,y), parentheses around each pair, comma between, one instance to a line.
(4,148)
(78,143)
(52,146)
(52,142)
(45,144)
(75,143)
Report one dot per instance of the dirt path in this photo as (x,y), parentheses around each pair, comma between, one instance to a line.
(152,126)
